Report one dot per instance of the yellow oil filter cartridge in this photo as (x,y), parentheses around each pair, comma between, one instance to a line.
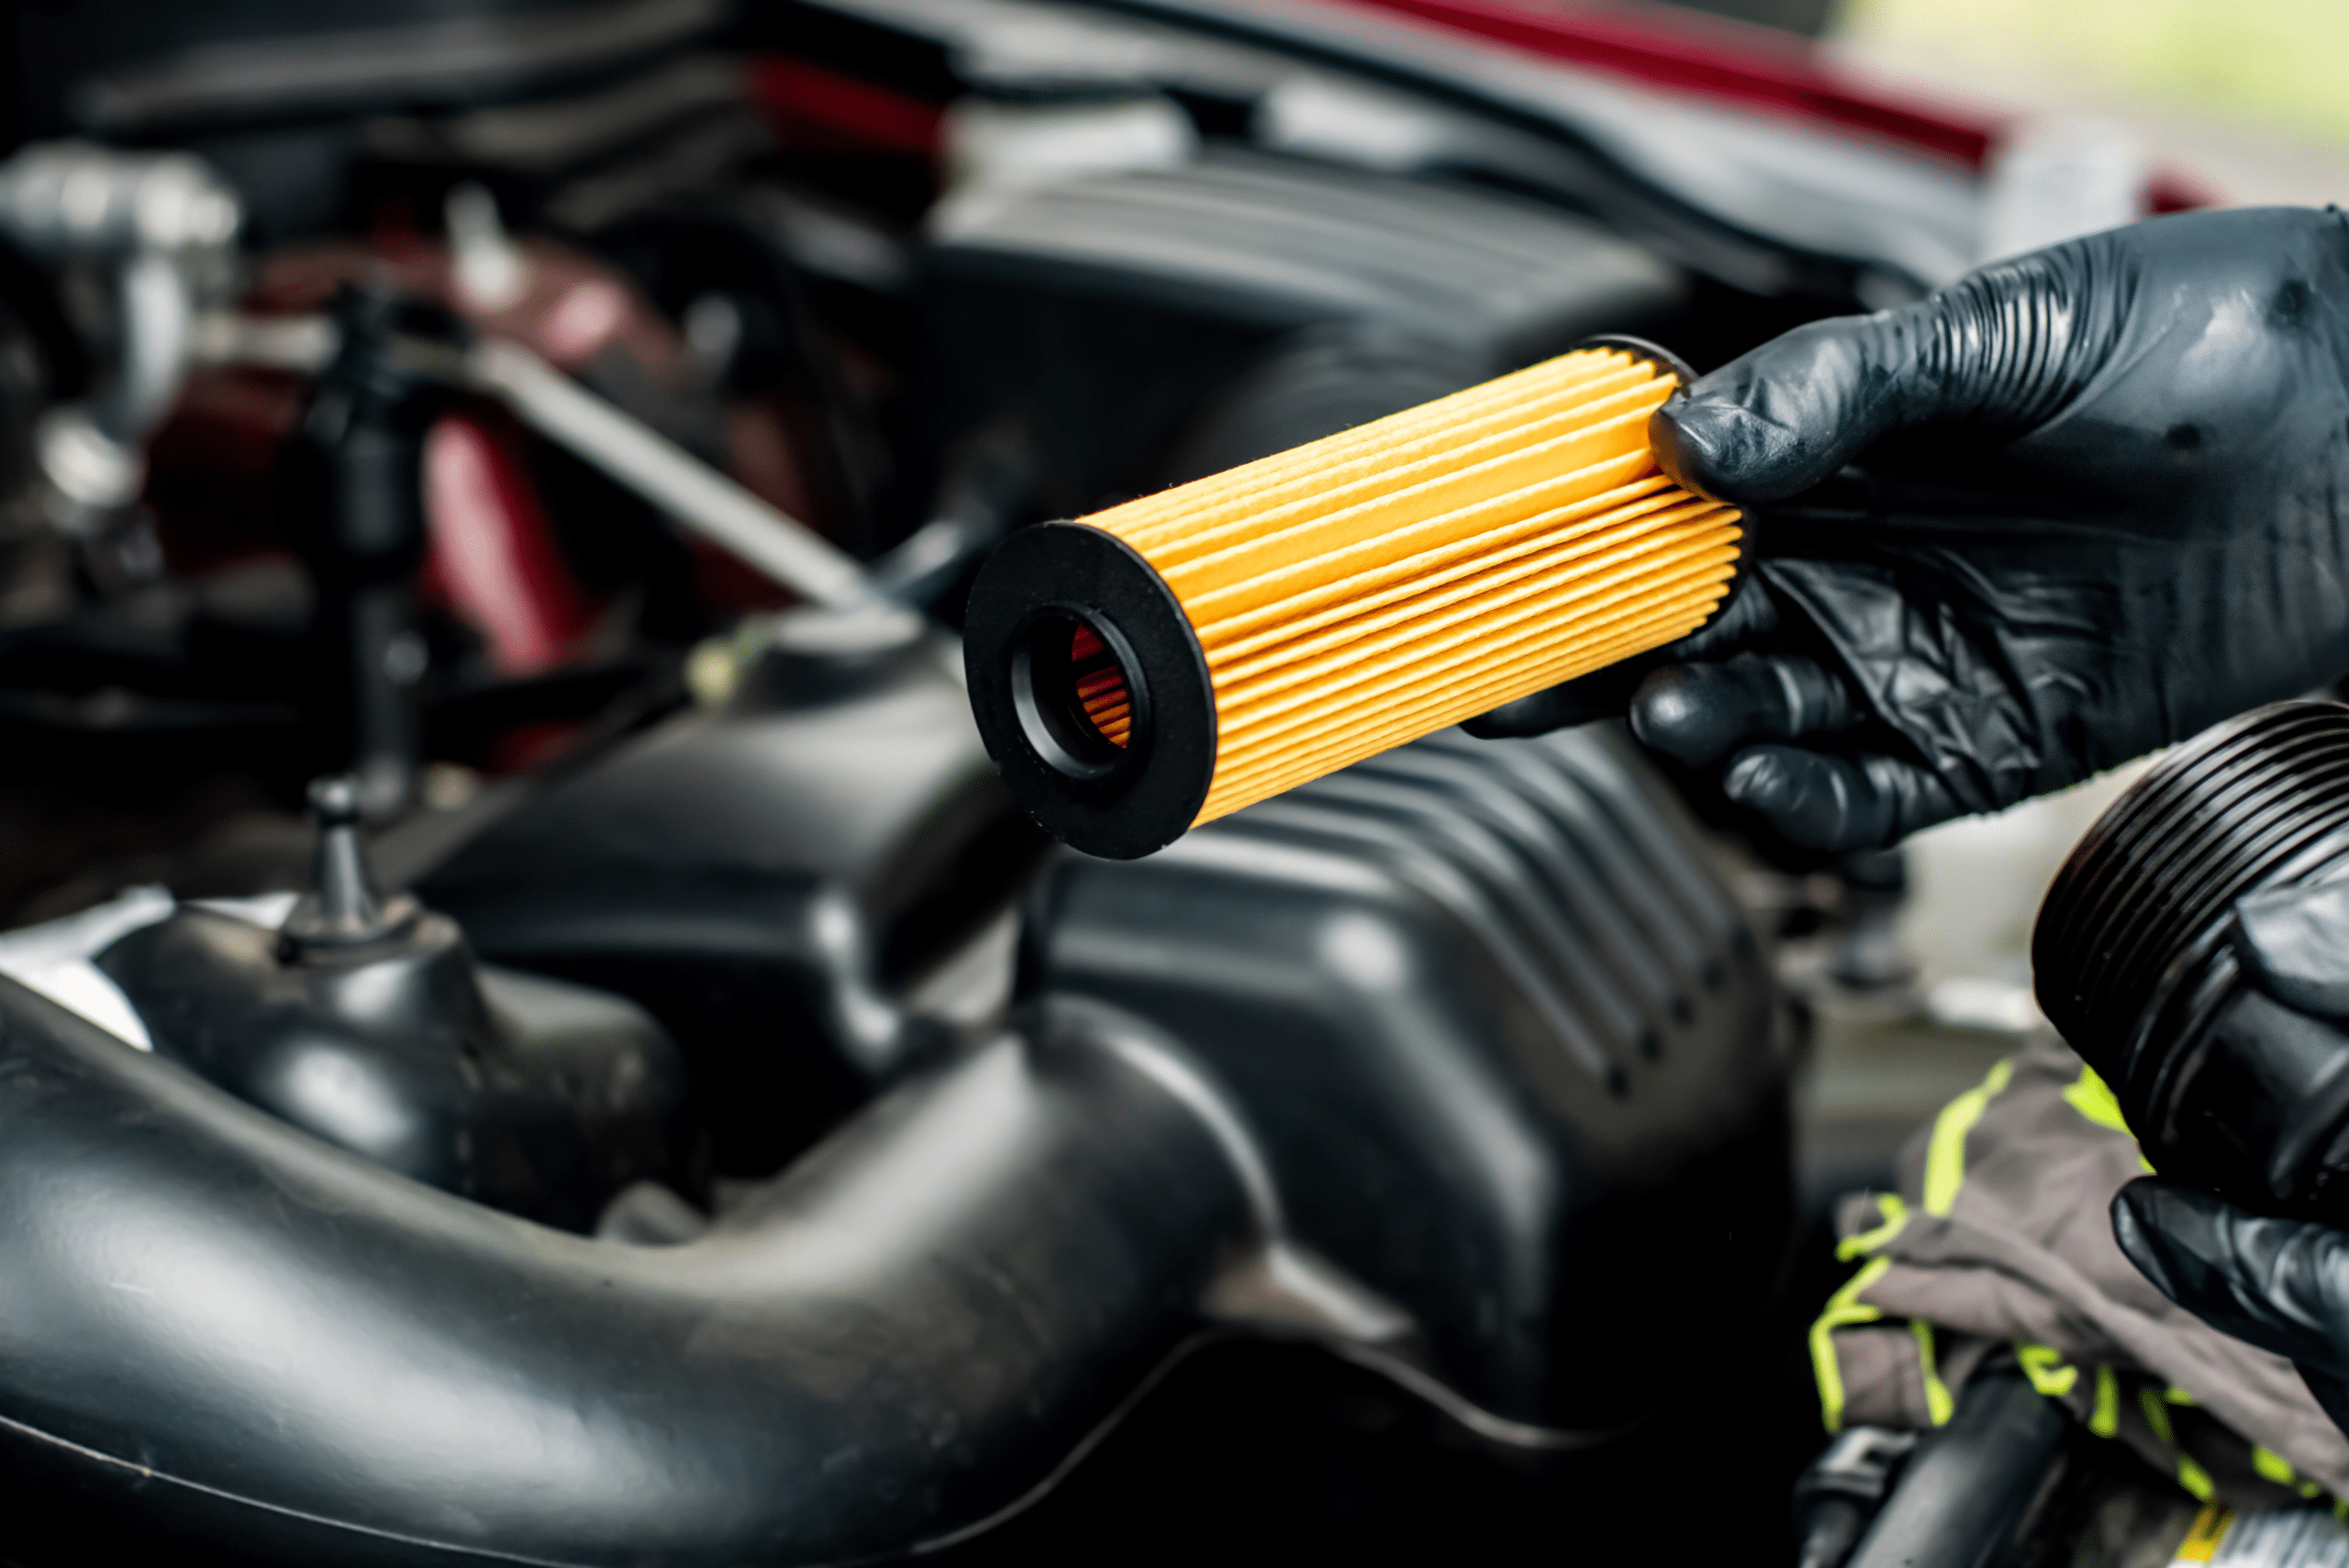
(1156,665)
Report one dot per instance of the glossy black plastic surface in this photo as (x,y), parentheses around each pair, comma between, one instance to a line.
(532,1095)
(1109,314)
(764,876)
(1503,1032)
(224,1337)
(1837,1496)
(1461,1063)
(1782,214)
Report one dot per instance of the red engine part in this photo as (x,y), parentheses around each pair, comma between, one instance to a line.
(492,557)
(1739,62)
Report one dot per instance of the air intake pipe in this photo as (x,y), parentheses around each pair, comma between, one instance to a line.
(225,1337)
(1157,666)
(2138,961)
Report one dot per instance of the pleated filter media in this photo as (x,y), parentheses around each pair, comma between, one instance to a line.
(1159,664)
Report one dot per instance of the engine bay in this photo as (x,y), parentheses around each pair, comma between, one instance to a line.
(533,1031)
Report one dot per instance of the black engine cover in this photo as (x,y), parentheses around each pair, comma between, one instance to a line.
(1514,1056)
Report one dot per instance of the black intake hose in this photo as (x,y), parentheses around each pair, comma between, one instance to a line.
(1975,1487)
(225,1330)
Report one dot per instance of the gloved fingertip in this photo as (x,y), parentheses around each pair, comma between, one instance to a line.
(1678,712)
(1814,801)
(1684,436)
(2159,1227)
(1782,418)
(1760,781)
(2272,1283)
(2288,940)
(2201,1250)
(1713,442)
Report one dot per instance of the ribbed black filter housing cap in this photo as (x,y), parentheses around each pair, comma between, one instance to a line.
(2130,956)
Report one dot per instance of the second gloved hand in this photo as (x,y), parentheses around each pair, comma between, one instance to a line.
(2101,502)
(2282,1284)
(2279,1283)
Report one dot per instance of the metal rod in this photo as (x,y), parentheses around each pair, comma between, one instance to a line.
(688,489)
(696,495)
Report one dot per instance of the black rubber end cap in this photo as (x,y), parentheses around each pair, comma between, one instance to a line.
(1039,587)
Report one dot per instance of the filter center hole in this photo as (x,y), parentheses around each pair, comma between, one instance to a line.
(1078,700)
(1101,687)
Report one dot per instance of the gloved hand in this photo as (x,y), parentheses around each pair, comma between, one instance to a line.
(2102,502)
(2282,1284)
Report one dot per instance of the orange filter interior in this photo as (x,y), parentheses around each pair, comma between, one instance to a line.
(1101,686)
(1382,583)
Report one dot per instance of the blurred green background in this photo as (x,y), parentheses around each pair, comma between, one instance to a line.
(2278,66)
(2248,97)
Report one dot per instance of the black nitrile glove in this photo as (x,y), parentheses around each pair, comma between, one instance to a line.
(2280,1283)
(2101,502)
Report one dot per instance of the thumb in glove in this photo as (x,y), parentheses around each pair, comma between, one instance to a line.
(2292,943)
(2282,1284)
